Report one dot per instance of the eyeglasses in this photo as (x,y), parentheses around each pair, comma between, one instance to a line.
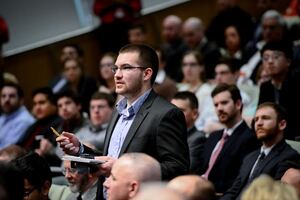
(125,68)
(27,192)
(69,170)
(275,56)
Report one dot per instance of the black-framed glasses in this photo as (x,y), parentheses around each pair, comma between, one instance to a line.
(27,192)
(274,56)
(125,68)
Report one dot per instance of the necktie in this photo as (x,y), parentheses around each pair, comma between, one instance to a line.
(79,197)
(215,154)
(256,168)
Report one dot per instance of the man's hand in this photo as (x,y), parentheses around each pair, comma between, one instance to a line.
(105,168)
(69,143)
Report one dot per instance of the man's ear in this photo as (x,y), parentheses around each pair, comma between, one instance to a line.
(148,73)
(45,188)
(282,125)
(133,189)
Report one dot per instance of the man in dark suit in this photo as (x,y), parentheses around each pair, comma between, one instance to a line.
(142,121)
(269,123)
(221,165)
(188,103)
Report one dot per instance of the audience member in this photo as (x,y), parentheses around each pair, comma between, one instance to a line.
(163,84)
(11,152)
(128,173)
(193,34)
(11,183)
(188,103)
(15,118)
(137,34)
(106,76)
(36,174)
(277,58)
(82,180)
(269,124)
(149,123)
(45,111)
(265,188)
(193,187)
(225,149)
(173,45)
(101,106)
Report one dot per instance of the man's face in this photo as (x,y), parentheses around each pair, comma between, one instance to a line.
(118,184)
(9,100)
(100,111)
(192,37)
(189,113)
(271,30)
(31,192)
(275,62)
(266,124)
(170,31)
(129,81)
(224,75)
(42,107)
(225,107)
(136,36)
(67,108)
(77,181)
(72,71)
(68,53)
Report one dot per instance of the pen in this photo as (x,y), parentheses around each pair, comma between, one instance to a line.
(55,132)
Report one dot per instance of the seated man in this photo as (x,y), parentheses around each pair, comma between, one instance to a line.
(193,187)
(37,176)
(82,179)
(128,173)
(15,118)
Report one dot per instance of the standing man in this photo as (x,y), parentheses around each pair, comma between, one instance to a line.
(15,118)
(188,103)
(225,149)
(269,124)
(142,121)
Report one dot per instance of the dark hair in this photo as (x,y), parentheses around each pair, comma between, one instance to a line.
(105,96)
(77,48)
(114,57)
(232,89)
(13,151)
(70,94)
(138,25)
(233,64)
(191,97)
(46,91)
(34,168)
(284,46)
(280,111)
(20,91)
(147,56)
(11,181)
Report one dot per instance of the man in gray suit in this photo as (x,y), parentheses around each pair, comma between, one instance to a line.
(142,121)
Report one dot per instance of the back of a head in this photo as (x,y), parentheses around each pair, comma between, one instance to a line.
(193,187)
(144,167)
(265,188)
(194,23)
(34,168)
(11,152)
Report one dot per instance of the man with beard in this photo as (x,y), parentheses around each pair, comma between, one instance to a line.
(82,179)
(15,118)
(269,124)
(225,149)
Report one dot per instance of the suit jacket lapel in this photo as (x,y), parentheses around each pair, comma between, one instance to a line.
(109,131)
(139,118)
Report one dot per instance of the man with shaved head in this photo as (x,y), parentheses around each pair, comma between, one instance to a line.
(128,173)
(193,33)
(174,46)
(193,187)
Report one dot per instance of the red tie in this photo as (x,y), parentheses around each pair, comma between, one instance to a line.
(215,154)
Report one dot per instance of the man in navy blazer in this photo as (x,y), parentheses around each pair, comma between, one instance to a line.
(142,121)
(241,141)
(269,124)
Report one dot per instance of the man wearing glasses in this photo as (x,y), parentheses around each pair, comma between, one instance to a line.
(142,121)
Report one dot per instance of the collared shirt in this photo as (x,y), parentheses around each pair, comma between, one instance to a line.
(14,125)
(127,115)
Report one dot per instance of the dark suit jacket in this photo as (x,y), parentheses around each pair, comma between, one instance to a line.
(273,165)
(196,140)
(158,130)
(226,168)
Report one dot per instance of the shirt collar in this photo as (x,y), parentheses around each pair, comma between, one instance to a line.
(134,108)
(229,131)
(266,150)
